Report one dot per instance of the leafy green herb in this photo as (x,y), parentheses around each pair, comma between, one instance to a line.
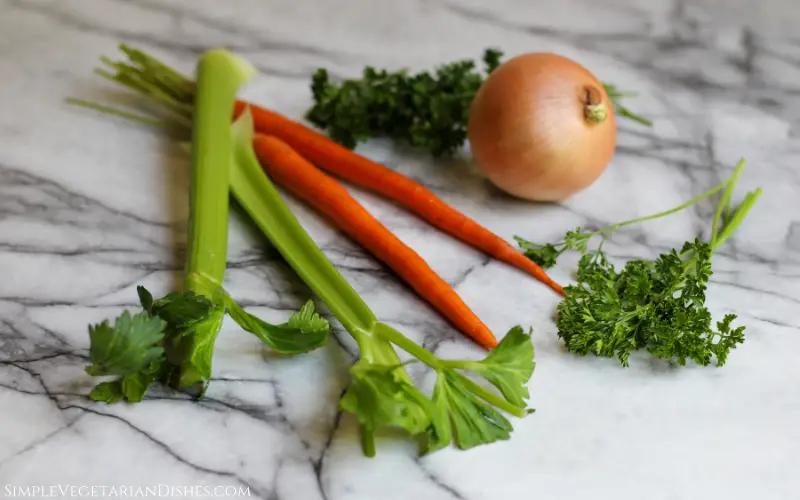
(655,305)
(428,110)
(381,394)
(658,306)
(127,347)
(462,411)
(108,392)
(470,420)
(305,330)
(508,367)
(178,309)
(547,254)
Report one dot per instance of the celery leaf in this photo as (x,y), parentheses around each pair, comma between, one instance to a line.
(191,346)
(178,309)
(126,347)
(509,366)
(305,330)
(381,396)
(473,422)
(107,392)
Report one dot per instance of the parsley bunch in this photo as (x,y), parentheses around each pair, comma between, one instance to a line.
(655,305)
(428,110)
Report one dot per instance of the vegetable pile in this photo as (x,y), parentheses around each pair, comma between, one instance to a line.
(240,149)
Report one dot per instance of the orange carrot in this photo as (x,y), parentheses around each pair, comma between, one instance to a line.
(289,169)
(371,175)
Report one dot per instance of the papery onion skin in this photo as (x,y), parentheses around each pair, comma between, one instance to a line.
(542,127)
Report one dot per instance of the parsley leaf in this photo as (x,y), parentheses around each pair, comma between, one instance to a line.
(428,110)
(547,254)
(544,255)
(655,305)
(658,306)
(127,347)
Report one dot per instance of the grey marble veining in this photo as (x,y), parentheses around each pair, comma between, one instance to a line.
(90,207)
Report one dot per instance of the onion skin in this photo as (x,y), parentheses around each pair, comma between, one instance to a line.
(542,127)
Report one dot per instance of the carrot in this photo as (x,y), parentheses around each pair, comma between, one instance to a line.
(288,168)
(371,175)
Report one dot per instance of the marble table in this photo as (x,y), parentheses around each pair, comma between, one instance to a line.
(90,207)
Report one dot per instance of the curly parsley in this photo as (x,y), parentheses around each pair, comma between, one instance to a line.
(654,305)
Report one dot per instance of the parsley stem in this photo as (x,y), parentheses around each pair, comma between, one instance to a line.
(724,202)
(613,227)
(737,217)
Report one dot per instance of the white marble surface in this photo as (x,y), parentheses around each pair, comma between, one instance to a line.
(90,207)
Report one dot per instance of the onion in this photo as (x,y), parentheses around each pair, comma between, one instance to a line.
(542,127)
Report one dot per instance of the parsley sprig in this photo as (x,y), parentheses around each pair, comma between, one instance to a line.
(428,110)
(654,305)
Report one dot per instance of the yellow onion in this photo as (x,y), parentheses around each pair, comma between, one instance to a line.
(542,127)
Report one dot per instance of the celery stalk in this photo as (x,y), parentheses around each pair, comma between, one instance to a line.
(172,340)
(259,198)
(219,76)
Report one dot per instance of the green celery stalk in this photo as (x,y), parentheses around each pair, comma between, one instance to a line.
(172,340)
(262,202)
(219,76)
